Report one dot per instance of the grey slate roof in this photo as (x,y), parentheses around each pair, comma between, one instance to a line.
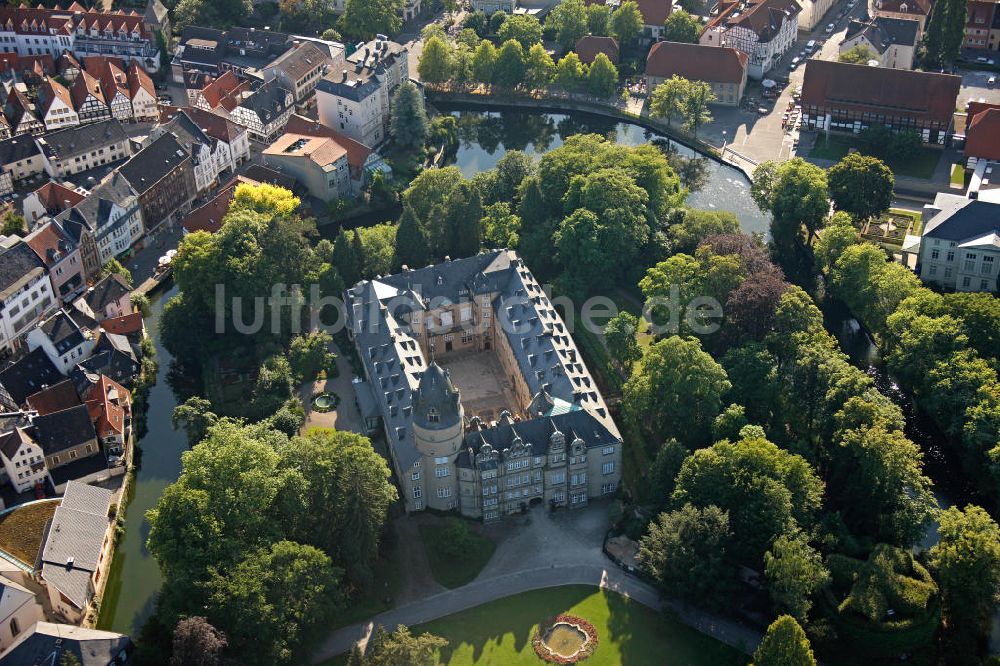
(268,101)
(45,643)
(11,441)
(29,374)
(151,164)
(378,311)
(436,392)
(16,262)
(18,148)
(65,144)
(94,212)
(962,219)
(355,86)
(73,545)
(882,32)
(65,429)
(108,290)
(62,332)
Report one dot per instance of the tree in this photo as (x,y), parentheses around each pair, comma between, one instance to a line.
(729,423)
(496,21)
(966,562)
(509,69)
(784,644)
(195,415)
(682,27)
(12,224)
(273,387)
(686,552)
(858,55)
(766,490)
(838,235)
(436,61)
(794,571)
(570,72)
(409,123)
(484,60)
(476,20)
(500,226)
(694,108)
(626,23)
(538,67)
(270,600)
(619,335)
(363,19)
(602,77)
(114,267)
(220,14)
(347,257)
(463,213)
(523,29)
(677,391)
(197,643)
(945,33)
(411,243)
(399,647)
(668,98)
(302,14)
(598,17)
(308,354)
(331,35)
(265,199)
(861,185)
(569,21)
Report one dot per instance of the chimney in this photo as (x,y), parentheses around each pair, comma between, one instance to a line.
(345,75)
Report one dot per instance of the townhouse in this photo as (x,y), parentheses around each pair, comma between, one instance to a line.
(142,94)
(724,69)
(300,68)
(982,25)
(265,111)
(210,156)
(319,163)
(76,149)
(362,161)
(217,51)
(88,98)
(892,40)
(960,244)
(114,85)
(105,224)
(20,114)
(762,29)
(20,159)
(55,106)
(25,291)
(162,177)
(915,10)
(62,259)
(62,339)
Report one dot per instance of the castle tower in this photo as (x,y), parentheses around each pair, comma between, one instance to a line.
(438,432)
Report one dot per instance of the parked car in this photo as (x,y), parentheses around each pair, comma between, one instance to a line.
(829,28)
(795,63)
(992,81)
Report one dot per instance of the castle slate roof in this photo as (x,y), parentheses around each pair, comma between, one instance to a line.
(17,262)
(268,101)
(962,219)
(436,393)
(109,289)
(18,148)
(62,332)
(353,85)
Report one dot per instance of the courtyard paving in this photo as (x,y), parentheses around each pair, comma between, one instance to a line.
(480,378)
(346,416)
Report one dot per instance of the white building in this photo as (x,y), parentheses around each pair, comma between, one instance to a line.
(62,340)
(300,68)
(960,246)
(142,94)
(265,111)
(25,291)
(55,106)
(22,457)
(84,147)
(763,29)
(112,215)
(20,158)
(18,610)
(892,40)
(210,156)
(813,12)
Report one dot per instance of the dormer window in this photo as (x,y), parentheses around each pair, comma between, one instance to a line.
(433,416)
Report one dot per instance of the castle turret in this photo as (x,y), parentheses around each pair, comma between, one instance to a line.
(438,432)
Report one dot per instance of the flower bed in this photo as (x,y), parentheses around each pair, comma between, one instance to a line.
(558,624)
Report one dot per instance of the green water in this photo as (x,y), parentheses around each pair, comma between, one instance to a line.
(135,577)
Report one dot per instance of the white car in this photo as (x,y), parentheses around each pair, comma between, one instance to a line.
(829,28)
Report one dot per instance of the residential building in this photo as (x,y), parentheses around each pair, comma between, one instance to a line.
(77,549)
(106,224)
(362,160)
(960,244)
(162,176)
(54,398)
(724,69)
(62,340)
(982,135)
(220,128)
(49,32)
(142,94)
(20,114)
(22,457)
(654,16)
(588,46)
(20,159)
(386,58)
(47,642)
(892,40)
(109,298)
(265,111)
(110,407)
(55,106)
(76,149)
(114,85)
(490,7)
(208,216)
(238,50)
(762,29)
(916,10)
(115,357)
(222,95)
(89,98)
(25,291)
(982,25)
(26,376)
(19,611)
(48,201)
(319,163)
(156,17)
(62,259)
(531,426)
(300,68)
(812,13)
(67,66)
(210,157)
(841,97)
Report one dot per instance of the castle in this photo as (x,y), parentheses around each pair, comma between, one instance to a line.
(485,401)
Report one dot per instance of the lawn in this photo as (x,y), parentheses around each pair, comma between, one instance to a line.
(449,570)
(500,632)
(21,530)
(957,175)
(922,165)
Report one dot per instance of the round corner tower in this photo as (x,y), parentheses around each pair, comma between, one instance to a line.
(438,432)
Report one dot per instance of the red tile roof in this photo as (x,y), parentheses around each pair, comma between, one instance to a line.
(49,91)
(139,79)
(124,325)
(221,88)
(880,90)
(589,46)
(654,12)
(39,65)
(212,124)
(108,404)
(54,196)
(8,62)
(55,398)
(982,137)
(84,86)
(357,152)
(208,217)
(49,243)
(27,20)
(696,62)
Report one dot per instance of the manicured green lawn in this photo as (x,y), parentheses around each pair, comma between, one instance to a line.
(922,165)
(447,569)
(500,632)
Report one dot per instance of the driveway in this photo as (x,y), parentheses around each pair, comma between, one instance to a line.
(536,551)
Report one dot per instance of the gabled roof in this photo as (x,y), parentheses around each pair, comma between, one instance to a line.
(51,90)
(127,325)
(212,124)
(762,17)
(300,60)
(696,62)
(982,136)
(138,80)
(269,101)
(46,641)
(72,550)
(321,151)
(13,597)
(55,196)
(151,164)
(50,243)
(882,32)
(960,219)
(110,289)
(17,148)
(55,398)
(62,332)
(357,152)
(221,87)
(65,429)
(588,46)
(12,440)
(915,7)
(108,403)
(208,217)
(65,144)
(654,12)
(16,262)
(84,87)
(920,95)
(28,375)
